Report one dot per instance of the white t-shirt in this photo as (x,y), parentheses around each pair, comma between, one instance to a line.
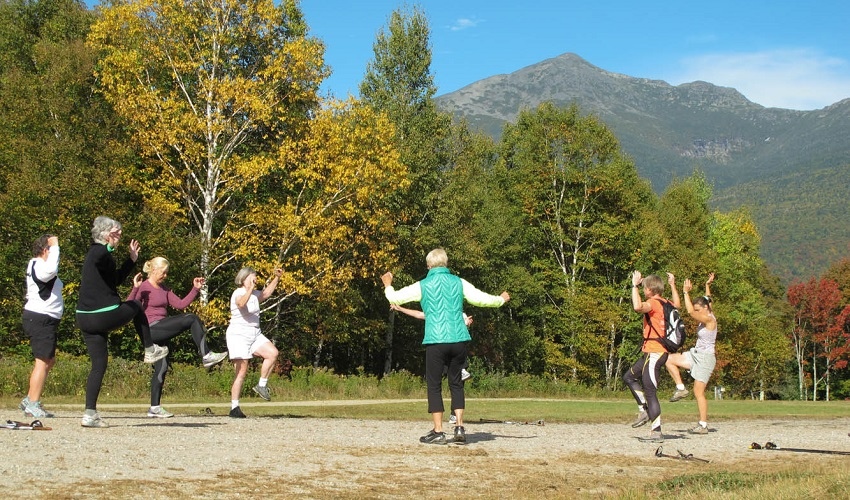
(45,270)
(248,316)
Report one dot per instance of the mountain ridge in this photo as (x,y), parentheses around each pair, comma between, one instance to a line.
(671,130)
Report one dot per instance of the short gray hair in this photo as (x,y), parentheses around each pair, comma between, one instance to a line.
(437,258)
(101,227)
(242,274)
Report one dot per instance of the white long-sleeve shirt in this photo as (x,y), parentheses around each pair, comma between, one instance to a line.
(38,299)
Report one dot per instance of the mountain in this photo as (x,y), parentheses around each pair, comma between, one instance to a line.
(669,131)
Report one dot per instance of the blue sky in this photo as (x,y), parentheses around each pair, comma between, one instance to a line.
(791,54)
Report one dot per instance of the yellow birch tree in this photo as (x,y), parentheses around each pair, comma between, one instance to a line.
(212,90)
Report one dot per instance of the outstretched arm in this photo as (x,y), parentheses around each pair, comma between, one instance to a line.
(410,312)
(708,285)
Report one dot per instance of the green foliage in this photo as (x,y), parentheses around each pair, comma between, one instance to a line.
(234,160)
(59,142)
(801,217)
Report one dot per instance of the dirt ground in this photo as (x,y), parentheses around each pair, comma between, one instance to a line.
(196,454)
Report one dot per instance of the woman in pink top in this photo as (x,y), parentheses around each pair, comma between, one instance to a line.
(155,298)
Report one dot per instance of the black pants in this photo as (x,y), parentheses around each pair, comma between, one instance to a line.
(95,328)
(643,377)
(166,329)
(438,356)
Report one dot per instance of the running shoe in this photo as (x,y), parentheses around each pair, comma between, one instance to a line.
(263,392)
(699,430)
(24,403)
(453,419)
(237,413)
(460,434)
(159,412)
(641,419)
(93,421)
(158,352)
(434,437)
(214,358)
(654,436)
(679,394)
(465,375)
(35,410)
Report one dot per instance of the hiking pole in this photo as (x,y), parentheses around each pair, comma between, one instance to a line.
(681,456)
(772,446)
(510,422)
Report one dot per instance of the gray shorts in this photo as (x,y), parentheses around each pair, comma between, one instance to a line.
(702,364)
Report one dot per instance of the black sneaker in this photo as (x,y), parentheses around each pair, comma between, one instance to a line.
(237,413)
(433,438)
(460,434)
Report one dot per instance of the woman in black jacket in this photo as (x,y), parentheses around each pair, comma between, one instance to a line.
(100,309)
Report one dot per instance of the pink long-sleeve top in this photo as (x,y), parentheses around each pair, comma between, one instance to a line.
(155,301)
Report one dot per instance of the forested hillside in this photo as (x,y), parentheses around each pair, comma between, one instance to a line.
(670,131)
(802,218)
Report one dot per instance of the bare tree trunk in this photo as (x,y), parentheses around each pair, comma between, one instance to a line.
(388,338)
(318,355)
(814,376)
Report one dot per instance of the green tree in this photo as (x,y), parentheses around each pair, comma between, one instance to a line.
(59,144)
(684,213)
(585,208)
(398,82)
(752,349)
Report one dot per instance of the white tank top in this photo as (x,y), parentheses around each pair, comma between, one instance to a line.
(706,338)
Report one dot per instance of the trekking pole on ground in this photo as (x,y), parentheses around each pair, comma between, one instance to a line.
(681,456)
(772,446)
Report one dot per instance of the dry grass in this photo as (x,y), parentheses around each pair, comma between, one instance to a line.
(452,472)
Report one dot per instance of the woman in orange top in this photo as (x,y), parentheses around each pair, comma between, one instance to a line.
(642,377)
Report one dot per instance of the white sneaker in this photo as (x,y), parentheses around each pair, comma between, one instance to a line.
(214,358)
(464,375)
(158,352)
(159,412)
(93,421)
(453,419)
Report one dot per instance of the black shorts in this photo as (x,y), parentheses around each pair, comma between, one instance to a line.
(41,329)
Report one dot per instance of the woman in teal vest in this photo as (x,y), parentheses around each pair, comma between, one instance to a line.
(441,295)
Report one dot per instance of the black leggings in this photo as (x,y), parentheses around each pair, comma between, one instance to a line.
(643,377)
(438,356)
(95,328)
(166,329)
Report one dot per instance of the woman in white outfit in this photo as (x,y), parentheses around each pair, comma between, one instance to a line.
(244,338)
(700,359)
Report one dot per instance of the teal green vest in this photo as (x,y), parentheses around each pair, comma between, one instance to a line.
(442,303)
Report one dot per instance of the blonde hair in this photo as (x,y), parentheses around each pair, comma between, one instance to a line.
(437,258)
(654,283)
(155,263)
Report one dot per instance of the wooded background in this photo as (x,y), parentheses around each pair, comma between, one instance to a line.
(199,126)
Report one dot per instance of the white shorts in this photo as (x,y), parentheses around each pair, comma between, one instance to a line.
(702,364)
(243,342)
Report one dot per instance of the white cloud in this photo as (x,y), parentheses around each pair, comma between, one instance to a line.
(464,23)
(791,79)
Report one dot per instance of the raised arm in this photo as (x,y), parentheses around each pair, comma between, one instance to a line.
(708,284)
(671,280)
(703,315)
(637,304)
(268,290)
